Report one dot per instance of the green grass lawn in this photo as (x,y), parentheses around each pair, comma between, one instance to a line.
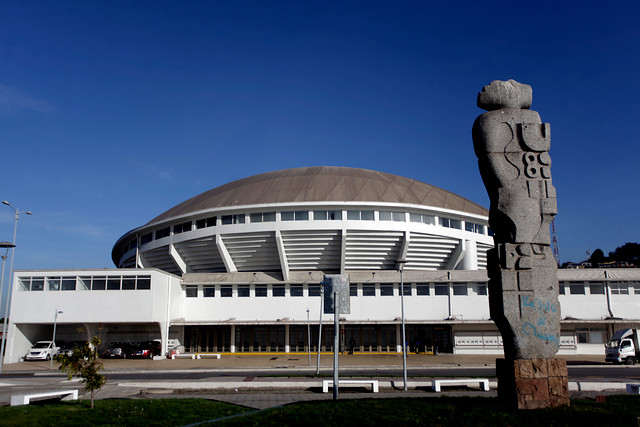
(619,411)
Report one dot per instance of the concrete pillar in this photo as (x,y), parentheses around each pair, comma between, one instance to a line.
(470,260)
(287,345)
(164,337)
(399,338)
(233,339)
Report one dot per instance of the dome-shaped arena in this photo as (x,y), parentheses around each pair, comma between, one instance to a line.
(329,219)
(240,269)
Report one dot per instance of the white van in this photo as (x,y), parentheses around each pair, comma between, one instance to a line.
(42,350)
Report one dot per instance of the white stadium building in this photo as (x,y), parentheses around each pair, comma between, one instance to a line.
(239,269)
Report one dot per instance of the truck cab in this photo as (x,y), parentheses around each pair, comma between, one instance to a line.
(623,347)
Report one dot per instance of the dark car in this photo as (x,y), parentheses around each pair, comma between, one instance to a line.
(67,348)
(121,350)
(147,349)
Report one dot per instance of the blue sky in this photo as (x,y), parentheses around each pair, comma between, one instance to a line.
(113,112)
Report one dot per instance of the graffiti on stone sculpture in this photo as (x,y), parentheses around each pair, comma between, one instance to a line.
(512,145)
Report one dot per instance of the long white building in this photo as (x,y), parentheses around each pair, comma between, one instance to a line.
(239,269)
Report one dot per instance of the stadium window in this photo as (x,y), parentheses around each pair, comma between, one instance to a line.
(277,290)
(576,288)
(320,215)
(422,289)
(368,290)
(146,238)
(441,290)
(128,283)
(480,289)
(143,282)
(425,219)
(392,216)
(386,290)
(360,215)
(314,290)
(163,232)
(182,228)
(260,290)
(296,290)
(233,219)
(406,288)
(113,283)
(294,216)
(353,290)
(209,291)
(460,289)
(191,291)
(561,288)
(37,284)
(54,283)
(474,228)
(636,287)
(206,222)
(99,284)
(84,282)
(384,216)
(619,288)
(262,217)
(591,335)
(226,291)
(244,291)
(450,223)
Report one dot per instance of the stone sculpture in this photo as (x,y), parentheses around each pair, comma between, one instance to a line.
(512,146)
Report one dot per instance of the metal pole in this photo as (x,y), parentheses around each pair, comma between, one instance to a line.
(6,245)
(404,337)
(309,337)
(320,329)
(53,340)
(336,342)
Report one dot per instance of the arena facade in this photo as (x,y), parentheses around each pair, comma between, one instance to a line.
(239,269)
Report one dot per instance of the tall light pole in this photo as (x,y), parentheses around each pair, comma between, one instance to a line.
(309,336)
(53,340)
(13,253)
(6,246)
(401,263)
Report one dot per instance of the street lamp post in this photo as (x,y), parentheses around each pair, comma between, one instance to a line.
(8,298)
(53,340)
(6,246)
(401,263)
(309,337)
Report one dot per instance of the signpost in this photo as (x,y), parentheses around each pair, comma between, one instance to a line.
(336,301)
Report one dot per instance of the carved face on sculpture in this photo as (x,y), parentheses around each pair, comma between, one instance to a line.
(500,94)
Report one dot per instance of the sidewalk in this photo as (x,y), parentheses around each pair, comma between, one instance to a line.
(297,361)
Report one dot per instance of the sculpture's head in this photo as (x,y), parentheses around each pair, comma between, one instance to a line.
(509,94)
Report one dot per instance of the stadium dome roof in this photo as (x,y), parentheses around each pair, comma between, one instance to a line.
(322,184)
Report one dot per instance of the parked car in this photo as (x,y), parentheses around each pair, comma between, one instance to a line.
(122,351)
(68,348)
(147,349)
(42,350)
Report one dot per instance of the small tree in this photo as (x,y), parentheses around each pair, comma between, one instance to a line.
(85,363)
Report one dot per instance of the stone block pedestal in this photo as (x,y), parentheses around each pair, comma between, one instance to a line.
(533,383)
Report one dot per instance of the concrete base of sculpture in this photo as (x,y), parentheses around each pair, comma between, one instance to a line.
(533,383)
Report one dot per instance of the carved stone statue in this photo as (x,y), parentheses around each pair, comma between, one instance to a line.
(512,146)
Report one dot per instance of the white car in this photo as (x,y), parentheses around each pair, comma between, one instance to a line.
(42,350)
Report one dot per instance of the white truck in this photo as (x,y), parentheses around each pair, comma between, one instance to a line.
(624,347)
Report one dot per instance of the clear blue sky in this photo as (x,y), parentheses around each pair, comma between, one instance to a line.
(112,112)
